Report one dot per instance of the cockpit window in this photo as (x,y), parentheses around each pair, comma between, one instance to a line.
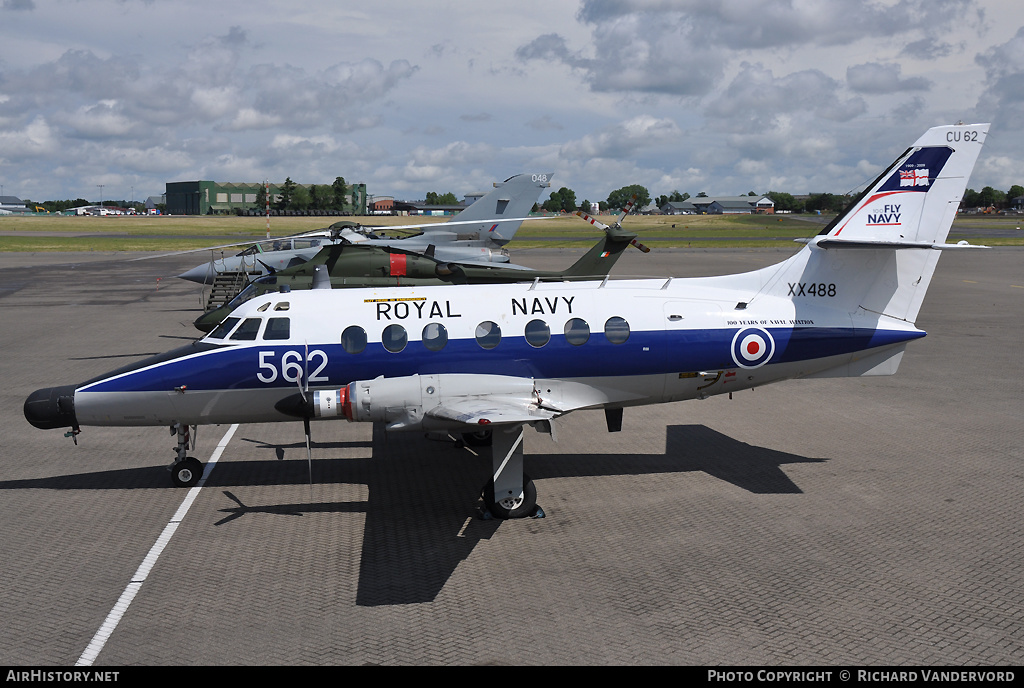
(223,329)
(248,330)
(277,328)
(260,286)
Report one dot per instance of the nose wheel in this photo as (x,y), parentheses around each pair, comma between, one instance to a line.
(187,472)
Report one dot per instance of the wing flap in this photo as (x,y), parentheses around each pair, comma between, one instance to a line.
(489,411)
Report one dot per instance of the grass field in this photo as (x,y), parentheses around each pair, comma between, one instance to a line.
(171,233)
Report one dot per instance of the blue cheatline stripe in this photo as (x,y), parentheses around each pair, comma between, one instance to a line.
(644,353)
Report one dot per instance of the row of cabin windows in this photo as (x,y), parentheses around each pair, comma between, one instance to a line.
(394,338)
(434,335)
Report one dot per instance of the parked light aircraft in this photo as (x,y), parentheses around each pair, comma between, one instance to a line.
(503,356)
(477,233)
(357,265)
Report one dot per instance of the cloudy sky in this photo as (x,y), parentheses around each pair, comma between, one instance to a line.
(720,96)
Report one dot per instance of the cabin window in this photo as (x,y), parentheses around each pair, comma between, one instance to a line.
(223,329)
(488,334)
(616,329)
(353,339)
(248,330)
(277,328)
(577,331)
(537,333)
(283,306)
(394,338)
(435,336)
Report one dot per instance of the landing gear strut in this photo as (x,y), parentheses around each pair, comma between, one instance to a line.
(509,493)
(186,470)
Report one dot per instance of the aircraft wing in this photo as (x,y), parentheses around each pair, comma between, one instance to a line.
(490,411)
(404,403)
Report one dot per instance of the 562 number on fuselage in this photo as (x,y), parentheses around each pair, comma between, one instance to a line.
(291,367)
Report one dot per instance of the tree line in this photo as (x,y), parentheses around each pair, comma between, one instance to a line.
(334,197)
(564,200)
(292,196)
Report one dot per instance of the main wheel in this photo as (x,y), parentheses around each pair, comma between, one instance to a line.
(187,472)
(508,506)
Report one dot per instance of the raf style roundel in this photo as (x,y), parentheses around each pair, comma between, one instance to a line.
(752,347)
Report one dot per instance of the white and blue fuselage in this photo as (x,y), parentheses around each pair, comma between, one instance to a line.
(618,343)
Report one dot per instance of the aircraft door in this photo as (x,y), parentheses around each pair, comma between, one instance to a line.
(688,323)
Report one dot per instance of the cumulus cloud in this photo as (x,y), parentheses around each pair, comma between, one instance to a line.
(689,95)
(36,139)
(151,110)
(755,99)
(624,139)
(874,77)
(1002,101)
(684,47)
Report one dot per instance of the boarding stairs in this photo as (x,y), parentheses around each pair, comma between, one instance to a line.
(225,287)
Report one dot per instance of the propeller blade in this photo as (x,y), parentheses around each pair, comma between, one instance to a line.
(626,209)
(594,221)
(617,225)
(301,379)
(640,246)
(309,449)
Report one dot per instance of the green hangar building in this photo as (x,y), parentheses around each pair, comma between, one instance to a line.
(213,198)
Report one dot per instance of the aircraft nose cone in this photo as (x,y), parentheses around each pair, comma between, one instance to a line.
(53,407)
(201,274)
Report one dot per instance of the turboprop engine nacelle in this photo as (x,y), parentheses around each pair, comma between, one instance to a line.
(403,403)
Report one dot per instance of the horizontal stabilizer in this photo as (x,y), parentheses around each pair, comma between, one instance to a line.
(884,362)
(847,243)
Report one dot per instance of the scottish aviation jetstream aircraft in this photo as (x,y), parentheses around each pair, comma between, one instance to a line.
(503,356)
(477,233)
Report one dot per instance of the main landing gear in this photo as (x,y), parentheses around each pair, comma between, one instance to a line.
(509,493)
(186,470)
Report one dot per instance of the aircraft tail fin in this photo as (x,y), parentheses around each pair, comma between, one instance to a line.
(877,257)
(513,197)
(915,200)
(600,259)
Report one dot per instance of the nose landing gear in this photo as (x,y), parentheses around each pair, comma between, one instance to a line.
(186,470)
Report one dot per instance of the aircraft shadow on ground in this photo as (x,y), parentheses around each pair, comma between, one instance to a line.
(420,521)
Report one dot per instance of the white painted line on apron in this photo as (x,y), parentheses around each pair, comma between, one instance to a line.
(121,606)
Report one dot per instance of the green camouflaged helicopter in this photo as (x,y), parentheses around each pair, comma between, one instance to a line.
(353,265)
